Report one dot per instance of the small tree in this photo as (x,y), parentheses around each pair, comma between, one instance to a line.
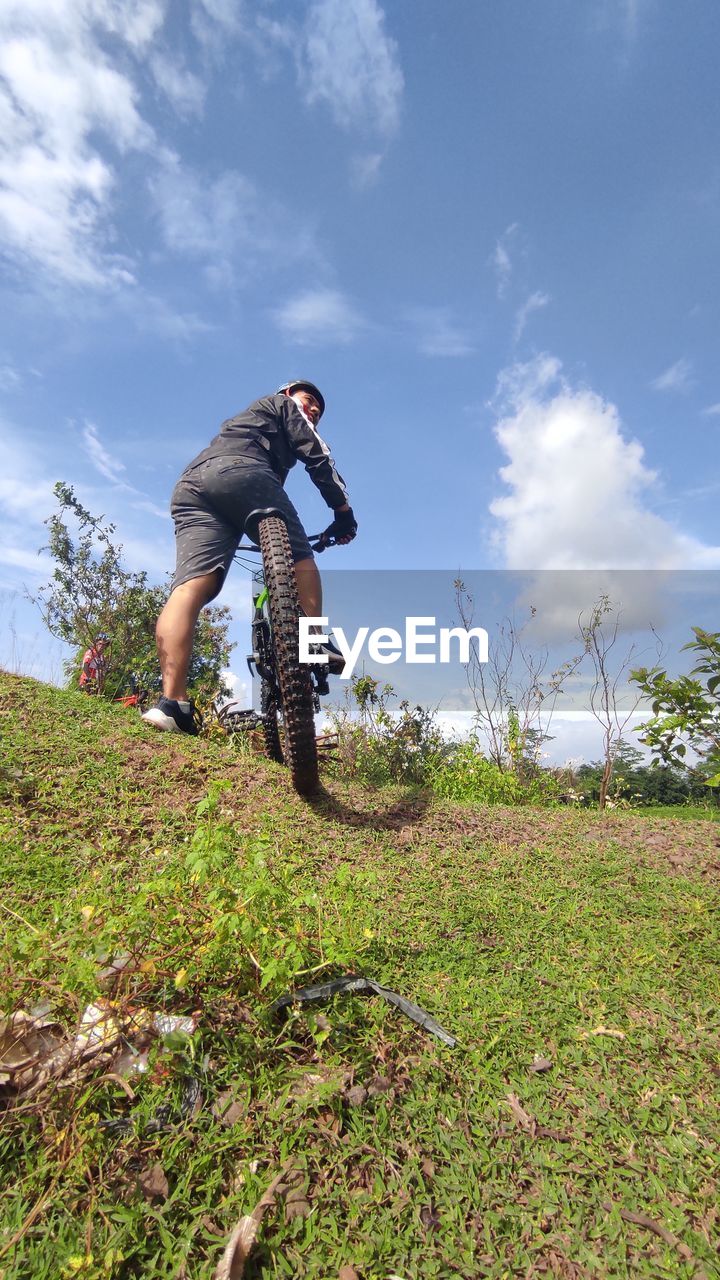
(513,692)
(91,591)
(686,710)
(600,635)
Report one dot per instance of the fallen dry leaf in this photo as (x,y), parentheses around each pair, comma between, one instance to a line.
(313,1082)
(604,1031)
(524,1120)
(227,1110)
(429,1217)
(539,1064)
(153,1183)
(211,1226)
(296,1205)
(348,1273)
(488,940)
(357,1095)
(232,1264)
(237,1251)
(378,1084)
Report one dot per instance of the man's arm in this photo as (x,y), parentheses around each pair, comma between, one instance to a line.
(310,449)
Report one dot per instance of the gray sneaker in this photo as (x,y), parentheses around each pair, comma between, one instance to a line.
(171,717)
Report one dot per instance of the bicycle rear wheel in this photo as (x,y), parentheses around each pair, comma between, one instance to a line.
(269,717)
(294,679)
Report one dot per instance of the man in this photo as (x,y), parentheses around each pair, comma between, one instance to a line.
(94,665)
(243,468)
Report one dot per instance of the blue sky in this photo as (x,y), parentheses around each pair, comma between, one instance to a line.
(488,231)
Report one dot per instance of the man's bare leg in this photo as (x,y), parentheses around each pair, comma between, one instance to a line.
(309,587)
(310,596)
(176,627)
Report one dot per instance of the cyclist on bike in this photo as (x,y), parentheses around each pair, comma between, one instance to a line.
(243,469)
(94,665)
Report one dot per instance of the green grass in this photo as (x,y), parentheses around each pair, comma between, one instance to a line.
(693,812)
(523,932)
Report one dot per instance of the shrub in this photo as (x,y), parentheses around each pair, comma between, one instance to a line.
(379,746)
(467,774)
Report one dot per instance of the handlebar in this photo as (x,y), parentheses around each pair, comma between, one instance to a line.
(317,541)
(320,542)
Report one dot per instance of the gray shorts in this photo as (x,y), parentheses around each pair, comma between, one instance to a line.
(210,504)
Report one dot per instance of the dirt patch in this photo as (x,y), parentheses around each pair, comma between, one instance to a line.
(423,827)
(162,770)
(675,844)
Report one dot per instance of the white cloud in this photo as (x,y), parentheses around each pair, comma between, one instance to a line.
(109,467)
(26,499)
(25,494)
(155,556)
(73,133)
(114,470)
(184,90)
(29,561)
(239,687)
(631,12)
(27,478)
(623,18)
(58,95)
(535,302)
(153,315)
(152,509)
(349,62)
(136,22)
(365,169)
(9,378)
(712,411)
(319,316)
(71,111)
(502,260)
(227,222)
(678,377)
(215,21)
(577,485)
(203,218)
(576,735)
(437,333)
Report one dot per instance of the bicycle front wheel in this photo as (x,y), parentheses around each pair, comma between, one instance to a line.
(294,679)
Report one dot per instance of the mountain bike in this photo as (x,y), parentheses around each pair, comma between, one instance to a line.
(290,691)
(140,689)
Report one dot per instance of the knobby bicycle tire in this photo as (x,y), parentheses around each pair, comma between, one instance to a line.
(294,679)
(270,729)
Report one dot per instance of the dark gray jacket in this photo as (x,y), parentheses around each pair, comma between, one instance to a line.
(274,431)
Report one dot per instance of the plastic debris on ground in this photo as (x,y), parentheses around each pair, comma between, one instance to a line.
(168,1024)
(35,1048)
(353,985)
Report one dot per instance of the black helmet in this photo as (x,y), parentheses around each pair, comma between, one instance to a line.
(302,384)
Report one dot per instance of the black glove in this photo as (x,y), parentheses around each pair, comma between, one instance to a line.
(343,526)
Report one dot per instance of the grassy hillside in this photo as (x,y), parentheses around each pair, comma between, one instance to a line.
(572,1131)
